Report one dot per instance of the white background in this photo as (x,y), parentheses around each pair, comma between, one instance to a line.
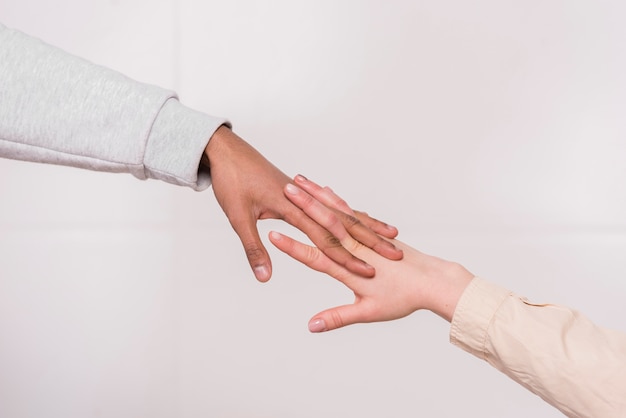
(490,132)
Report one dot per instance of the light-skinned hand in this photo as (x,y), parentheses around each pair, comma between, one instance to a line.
(399,288)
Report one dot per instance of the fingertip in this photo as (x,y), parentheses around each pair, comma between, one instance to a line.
(292,189)
(258,258)
(275,236)
(390,251)
(262,273)
(391,228)
(317,325)
(368,271)
(388,231)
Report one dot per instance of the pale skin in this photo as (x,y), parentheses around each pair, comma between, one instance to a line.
(399,287)
(249,188)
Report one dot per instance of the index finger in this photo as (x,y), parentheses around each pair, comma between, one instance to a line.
(324,194)
(329,198)
(347,228)
(327,233)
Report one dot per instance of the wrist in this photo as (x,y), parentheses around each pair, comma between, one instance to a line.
(448,288)
(216,143)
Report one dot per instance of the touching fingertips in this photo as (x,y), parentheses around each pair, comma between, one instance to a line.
(317,325)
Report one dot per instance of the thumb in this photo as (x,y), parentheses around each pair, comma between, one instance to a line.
(259,259)
(334,318)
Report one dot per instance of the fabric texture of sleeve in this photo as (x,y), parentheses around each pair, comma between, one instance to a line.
(553,351)
(60,109)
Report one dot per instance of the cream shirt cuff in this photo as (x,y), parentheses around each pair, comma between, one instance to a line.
(474,313)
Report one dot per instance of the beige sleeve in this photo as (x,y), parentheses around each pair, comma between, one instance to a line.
(553,351)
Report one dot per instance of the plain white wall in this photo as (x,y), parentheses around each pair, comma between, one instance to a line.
(489,132)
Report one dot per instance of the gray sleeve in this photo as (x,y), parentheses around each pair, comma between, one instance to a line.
(60,109)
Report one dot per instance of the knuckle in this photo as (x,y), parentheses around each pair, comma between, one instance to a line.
(254,251)
(336,320)
(307,199)
(351,221)
(332,241)
(331,220)
(353,247)
(311,255)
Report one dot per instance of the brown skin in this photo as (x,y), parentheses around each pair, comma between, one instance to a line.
(249,188)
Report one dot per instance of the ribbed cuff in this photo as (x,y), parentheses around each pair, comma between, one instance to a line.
(176,144)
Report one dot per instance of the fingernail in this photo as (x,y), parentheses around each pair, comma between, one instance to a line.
(300,177)
(317,325)
(291,189)
(275,235)
(262,273)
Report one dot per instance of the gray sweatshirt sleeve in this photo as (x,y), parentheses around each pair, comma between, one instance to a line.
(60,109)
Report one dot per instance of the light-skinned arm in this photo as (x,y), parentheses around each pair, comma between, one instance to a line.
(552,350)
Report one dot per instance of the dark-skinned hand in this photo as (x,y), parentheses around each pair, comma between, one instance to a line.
(249,188)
